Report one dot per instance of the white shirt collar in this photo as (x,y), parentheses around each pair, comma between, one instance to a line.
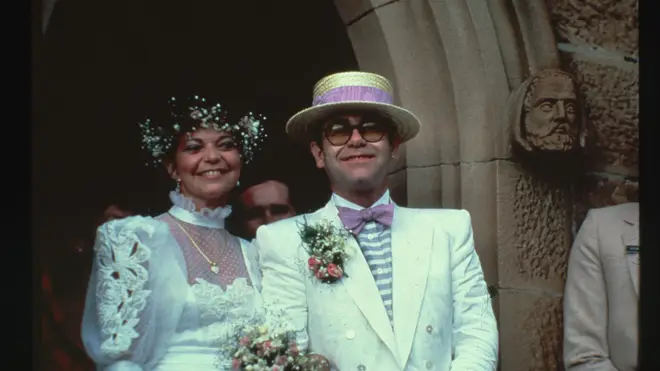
(342,202)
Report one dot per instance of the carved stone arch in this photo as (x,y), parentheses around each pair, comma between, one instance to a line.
(453,63)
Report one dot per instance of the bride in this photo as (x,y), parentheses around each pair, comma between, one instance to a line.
(165,292)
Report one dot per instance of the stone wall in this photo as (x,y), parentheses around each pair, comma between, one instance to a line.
(453,63)
(598,43)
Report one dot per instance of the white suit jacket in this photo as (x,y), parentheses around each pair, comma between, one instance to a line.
(443,317)
(601,298)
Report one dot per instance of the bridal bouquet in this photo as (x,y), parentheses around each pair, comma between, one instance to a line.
(270,346)
(260,350)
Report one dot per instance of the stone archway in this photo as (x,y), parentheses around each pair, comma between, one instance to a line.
(454,63)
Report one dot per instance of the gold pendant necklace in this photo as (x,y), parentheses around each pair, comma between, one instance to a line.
(214,267)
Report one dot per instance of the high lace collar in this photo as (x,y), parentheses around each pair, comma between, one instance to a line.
(184,209)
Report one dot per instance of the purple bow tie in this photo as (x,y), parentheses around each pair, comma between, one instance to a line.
(355,220)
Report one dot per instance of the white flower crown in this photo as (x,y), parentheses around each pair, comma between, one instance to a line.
(158,139)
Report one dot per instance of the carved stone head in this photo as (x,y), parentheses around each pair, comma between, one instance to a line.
(547,114)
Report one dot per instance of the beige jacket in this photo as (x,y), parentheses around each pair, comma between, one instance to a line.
(602,290)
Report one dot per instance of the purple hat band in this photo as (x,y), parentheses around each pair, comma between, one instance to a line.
(353,93)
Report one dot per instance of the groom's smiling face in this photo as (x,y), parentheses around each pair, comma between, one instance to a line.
(355,150)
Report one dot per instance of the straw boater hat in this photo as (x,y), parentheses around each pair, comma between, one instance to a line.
(347,91)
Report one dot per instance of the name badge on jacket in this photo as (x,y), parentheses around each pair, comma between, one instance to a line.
(632,256)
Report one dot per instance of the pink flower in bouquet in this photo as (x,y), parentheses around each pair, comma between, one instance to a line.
(268,345)
(293,349)
(313,263)
(275,368)
(245,341)
(335,271)
(320,274)
(281,360)
(236,364)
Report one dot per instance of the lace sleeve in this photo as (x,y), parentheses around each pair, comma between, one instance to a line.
(127,293)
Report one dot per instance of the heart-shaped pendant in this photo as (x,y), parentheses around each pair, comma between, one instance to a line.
(215,269)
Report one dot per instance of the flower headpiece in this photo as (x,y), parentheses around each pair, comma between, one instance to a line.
(198,113)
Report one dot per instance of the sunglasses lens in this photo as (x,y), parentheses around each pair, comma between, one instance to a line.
(339,133)
(372,132)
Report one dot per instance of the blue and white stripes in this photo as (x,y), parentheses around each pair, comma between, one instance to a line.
(375,240)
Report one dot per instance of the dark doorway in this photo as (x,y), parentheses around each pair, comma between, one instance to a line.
(103,65)
(106,64)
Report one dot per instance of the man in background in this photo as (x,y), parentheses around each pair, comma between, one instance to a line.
(261,203)
(601,298)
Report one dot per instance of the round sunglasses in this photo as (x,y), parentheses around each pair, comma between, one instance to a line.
(339,131)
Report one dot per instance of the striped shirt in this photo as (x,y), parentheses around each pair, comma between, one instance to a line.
(375,241)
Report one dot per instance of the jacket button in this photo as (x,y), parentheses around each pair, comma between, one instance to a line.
(362,368)
(429,329)
(429,365)
(350,334)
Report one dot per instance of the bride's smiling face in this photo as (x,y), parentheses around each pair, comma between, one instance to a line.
(208,164)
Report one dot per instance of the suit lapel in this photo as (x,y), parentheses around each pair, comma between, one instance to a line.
(630,239)
(411,246)
(361,286)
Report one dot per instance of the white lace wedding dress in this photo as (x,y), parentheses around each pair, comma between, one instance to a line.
(153,301)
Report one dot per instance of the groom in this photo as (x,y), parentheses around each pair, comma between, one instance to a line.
(412,296)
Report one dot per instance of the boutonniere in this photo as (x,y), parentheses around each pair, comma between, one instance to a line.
(327,248)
